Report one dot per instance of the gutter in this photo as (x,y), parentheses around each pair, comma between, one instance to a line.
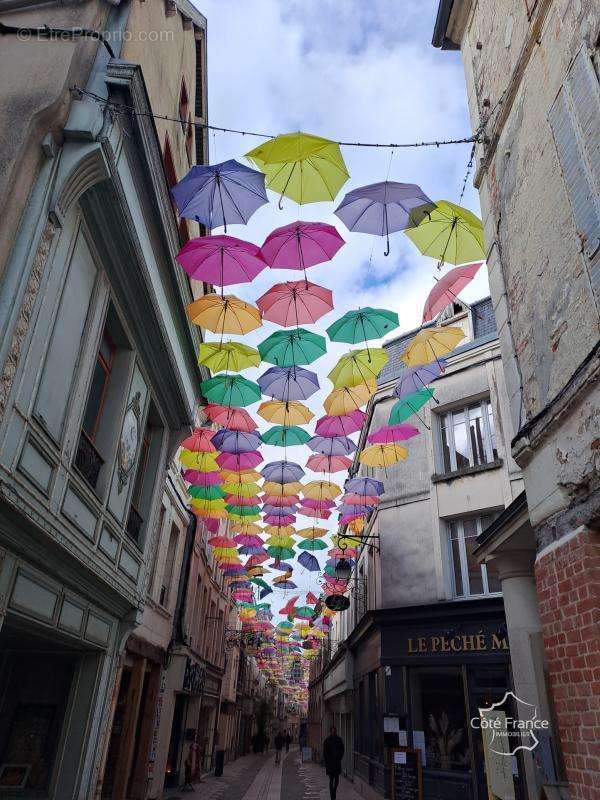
(441,26)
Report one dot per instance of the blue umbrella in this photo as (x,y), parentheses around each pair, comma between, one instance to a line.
(383,208)
(218,194)
(282,472)
(370,486)
(331,445)
(413,379)
(309,562)
(277,511)
(288,383)
(227,441)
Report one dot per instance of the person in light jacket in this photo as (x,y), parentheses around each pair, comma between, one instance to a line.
(333,752)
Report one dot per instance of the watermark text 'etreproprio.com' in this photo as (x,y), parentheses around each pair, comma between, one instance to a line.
(152,36)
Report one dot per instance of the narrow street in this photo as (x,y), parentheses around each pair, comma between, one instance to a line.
(256,777)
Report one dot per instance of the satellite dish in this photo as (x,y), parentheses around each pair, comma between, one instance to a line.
(337,602)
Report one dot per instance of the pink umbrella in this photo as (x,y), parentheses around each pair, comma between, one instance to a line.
(310,503)
(248,540)
(361,499)
(236,500)
(314,512)
(300,245)
(343,425)
(295,303)
(239,461)
(320,463)
(446,289)
(235,419)
(202,478)
(279,500)
(211,525)
(389,434)
(346,518)
(200,441)
(221,260)
(287,519)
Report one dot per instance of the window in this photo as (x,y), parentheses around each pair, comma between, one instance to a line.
(165,589)
(135,519)
(468,437)
(184,106)
(199,99)
(469,577)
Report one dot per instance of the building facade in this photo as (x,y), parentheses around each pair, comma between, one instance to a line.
(532,72)
(99,384)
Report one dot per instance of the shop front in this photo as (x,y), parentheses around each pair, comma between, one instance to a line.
(421,674)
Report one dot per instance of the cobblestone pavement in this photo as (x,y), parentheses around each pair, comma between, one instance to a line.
(237,778)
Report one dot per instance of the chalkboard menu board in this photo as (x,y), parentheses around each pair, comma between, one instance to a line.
(407,774)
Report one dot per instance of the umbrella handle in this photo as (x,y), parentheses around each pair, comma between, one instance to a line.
(386,252)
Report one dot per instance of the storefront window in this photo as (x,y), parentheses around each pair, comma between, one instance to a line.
(439,713)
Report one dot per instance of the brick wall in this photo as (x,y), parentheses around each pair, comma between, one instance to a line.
(568,583)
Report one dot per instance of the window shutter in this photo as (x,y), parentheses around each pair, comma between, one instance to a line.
(575,122)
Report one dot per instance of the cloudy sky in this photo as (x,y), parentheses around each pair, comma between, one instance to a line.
(346,70)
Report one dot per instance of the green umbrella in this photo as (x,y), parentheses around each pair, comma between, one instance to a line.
(260,582)
(242,511)
(409,405)
(280,553)
(293,347)
(362,325)
(304,612)
(312,544)
(230,390)
(283,436)
(206,492)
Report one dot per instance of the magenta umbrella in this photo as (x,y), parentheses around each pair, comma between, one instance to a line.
(202,478)
(300,245)
(309,502)
(272,519)
(317,513)
(295,303)
(221,260)
(321,463)
(388,434)
(239,461)
(343,425)
(280,500)
(445,290)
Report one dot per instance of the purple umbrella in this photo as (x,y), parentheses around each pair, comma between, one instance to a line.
(277,511)
(342,425)
(309,502)
(282,472)
(288,383)
(370,486)
(382,208)
(309,562)
(331,445)
(282,566)
(250,550)
(236,441)
(218,194)
(346,509)
(413,379)
(271,519)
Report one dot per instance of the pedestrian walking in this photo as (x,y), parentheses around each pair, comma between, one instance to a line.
(288,741)
(333,752)
(279,742)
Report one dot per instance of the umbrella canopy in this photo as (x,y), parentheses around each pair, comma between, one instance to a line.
(278,511)
(361,499)
(312,533)
(409,405)
(295,303)
(431,344)
(363,325)
(280,500)
(282,436)
(312,545)
(236,419)
(220,194)
(321,490)
(321,463)
(198,478)
(447,288)
(358,367)
(241,489)
(370,486)
(200,461)
(282,471)
(413,379)
(282,489)
(340,426)
(206,492)
(293,347)
(240,500)
(309,502)
(383,208)
(223,356)
(240,476)
(239,461)
(341,402)
(236,441)
(449,233)
(382,455)
(300,245)
(288,383)
(221,260)
(301,166)
(272,519)
(389,434)
(285,413)
(310,563)
(233,390)
(224,314)
(332,445)
(200,441)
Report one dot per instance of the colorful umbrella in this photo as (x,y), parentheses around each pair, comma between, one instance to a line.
(358,367)
(240,476)
(413,379)
(292,348)
(288,383)
(315,513)
(409,405)
(312,533)
(449,233)
(221,260)
(224,314)
(200,441)
(240,500)
(320,463)
(321,490)
(236,419)
(431,343)
(370,486)
(301,166)
(341,402)
(310,502)
(383,208)
(340,426)
(241,489)
(332,445)
(239,461)
(203,478)
(285,413)
(310,563)
(242,511)
(223,356)
(312,545)
(200,461)
(272,519)
(218,194)
(233,390)
(282,489)
(282,436)
(236,441)
(361,499)
(363,325)
(389,434)
(295,303)
(280,500)
(378,455)
(300,245)
(447,287)
(282,471)
(206,492)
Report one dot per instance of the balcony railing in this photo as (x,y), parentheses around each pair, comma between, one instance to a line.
(88,460)
(134,524)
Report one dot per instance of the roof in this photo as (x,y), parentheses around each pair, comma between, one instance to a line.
(440,28)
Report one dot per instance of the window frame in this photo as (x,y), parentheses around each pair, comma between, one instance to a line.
(445,422)
(464,564)
(107,367)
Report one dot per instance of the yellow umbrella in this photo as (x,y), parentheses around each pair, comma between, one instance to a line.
(224,314)
(430,344)
(358,367)
(245,476)
(282,489)
(312,533)
(280,541)
(202,462)
(208,505)
(322,490)
(241,489)
(301,166)
(349,398)
(247,528)
(287,413)
(234,356)
(357,525)
(280,530)
(210,513)
(449,233)
(382,455)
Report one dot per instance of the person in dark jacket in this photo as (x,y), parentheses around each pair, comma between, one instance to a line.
(279,742)
(333,752)
(288,741)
